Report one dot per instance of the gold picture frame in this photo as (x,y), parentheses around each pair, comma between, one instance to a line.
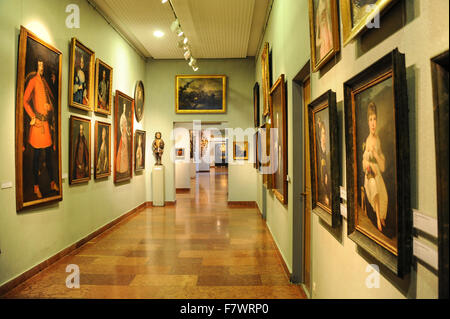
(237,156)
(265,78)
(102,153)
(80,98)
(99,104)
(189,87)
(79,172)
(330,31)
(36,56)
(352,30)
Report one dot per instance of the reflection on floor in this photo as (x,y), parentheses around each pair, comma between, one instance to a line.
(199,249)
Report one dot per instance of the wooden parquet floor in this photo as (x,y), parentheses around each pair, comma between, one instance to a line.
(198,249)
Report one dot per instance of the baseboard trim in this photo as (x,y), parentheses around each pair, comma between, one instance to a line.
(183,190)
(8,286)
(171,203)
(234,204)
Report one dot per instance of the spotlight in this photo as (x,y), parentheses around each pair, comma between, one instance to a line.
(175,25)
(195,68)
(163,1)
(187,55)
(185,41)
(192,61)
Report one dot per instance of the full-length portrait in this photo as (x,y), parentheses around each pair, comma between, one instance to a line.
(102,146)
(38,116)
(79,150)
(123,139)
(81,78)
(139,150)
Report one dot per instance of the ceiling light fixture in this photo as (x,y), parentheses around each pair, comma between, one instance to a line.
(175,27)
(158,34)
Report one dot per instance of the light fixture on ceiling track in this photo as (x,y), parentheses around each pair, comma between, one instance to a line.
(183,42)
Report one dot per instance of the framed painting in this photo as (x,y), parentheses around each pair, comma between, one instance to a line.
(377,148)
(439,73)
(200,94)
(240,150)
(38,122)
(79,150)
(81,77)
(139,100)
(324,31)
(102,146)
(265,69)
(103,87)
(255,150)
(179,153)
(357,15)
(256,105)
(279,139)
(123,137)
(324,144)
(139,151)
(266,155)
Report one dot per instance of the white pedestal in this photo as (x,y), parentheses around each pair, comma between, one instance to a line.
(182,175)
(158,185)
(193,170)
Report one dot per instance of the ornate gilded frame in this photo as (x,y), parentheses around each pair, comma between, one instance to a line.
(97,76)
(72,180)
(97,124)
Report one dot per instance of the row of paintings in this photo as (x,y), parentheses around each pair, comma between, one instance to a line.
(90,84)
(356,15)
(38,122)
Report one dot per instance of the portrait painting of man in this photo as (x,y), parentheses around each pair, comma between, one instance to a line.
(103,87)
(139,99)
(38,169)
(80,159)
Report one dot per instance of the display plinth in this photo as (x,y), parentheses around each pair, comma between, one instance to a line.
(158,185)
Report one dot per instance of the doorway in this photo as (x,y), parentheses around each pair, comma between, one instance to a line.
(301,272)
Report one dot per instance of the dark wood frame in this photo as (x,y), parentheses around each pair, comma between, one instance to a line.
(316,65)
(75,43)
(224,97)
(265,78)
(116,128)
(256,105)
(139,83)
(73,181)
(97,176)
(234,151)
(439,74)
(391,65)
(351,32)
(97,76)
(20,204)
(136,133)
(282,192)
(326,101)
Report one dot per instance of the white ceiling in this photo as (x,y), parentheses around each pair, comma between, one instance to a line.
(215,28)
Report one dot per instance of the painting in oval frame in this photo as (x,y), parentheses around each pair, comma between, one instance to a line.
(139,101)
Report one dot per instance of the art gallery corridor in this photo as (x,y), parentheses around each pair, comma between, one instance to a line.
(199,248)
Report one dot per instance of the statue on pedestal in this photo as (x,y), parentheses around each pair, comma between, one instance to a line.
(158,148)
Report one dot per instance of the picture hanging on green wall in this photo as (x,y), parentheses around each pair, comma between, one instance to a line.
(38,122)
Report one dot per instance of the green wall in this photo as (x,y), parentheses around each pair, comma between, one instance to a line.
(29,237)
(338,267)
(160,112)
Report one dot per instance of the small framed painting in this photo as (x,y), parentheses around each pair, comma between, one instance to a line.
(200,94)
(256,105)
(279,139)
(81,78)
(357,15)
(324,30)
(240,150)
(323,141)
(179,153)
(139,100)
(79,150)
(38,122)
(123,137)
(103,87)
(377,149)
(102,146)
(139,150)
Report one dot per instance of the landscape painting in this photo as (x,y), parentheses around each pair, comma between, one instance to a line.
(200,94)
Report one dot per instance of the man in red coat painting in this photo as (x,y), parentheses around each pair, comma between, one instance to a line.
(38,105)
